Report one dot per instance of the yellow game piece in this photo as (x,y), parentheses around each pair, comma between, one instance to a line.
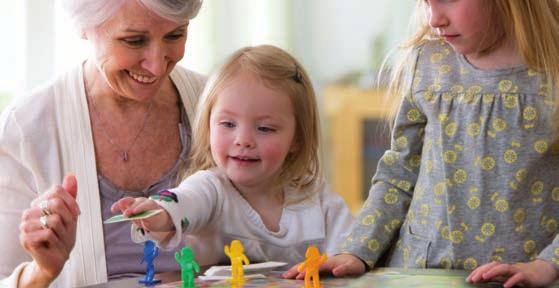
(237,256)
(311,266)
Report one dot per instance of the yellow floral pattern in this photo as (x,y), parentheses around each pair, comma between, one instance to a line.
(470,178)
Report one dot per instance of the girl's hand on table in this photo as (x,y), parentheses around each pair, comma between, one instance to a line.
(340,265)
(537,273)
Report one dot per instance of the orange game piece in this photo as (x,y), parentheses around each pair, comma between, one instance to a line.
(311,266)
(237,256)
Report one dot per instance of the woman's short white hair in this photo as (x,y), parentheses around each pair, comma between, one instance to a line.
(92,13)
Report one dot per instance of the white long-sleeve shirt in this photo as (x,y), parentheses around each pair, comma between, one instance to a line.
(216,214)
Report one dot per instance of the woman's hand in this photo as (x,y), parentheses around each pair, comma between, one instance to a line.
(48,233)
(537,273)
(340,265)
(129,206)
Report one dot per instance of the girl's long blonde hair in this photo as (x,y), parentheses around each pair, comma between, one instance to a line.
(279,70)
(533,25)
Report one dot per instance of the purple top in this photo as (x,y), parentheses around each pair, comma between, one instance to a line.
(122,255)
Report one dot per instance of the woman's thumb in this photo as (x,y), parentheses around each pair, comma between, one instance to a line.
(70,184)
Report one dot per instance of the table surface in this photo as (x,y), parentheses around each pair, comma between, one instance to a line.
(381,277)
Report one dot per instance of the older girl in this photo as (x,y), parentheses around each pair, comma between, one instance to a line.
(470,181)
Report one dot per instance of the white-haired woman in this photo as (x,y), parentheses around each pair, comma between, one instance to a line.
(117,125)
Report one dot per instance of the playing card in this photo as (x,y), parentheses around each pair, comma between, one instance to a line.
(143,215)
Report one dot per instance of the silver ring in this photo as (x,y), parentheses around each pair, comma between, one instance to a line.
(44,205)
(43,220)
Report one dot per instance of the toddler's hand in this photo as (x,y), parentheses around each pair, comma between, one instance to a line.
(537,273)
(340,265)
(129,206)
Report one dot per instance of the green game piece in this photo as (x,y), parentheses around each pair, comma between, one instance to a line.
(185,258)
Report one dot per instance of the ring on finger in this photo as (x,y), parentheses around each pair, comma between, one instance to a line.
(43,221)
(44,205)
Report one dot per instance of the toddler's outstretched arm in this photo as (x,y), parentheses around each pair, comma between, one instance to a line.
(340,265)
(129,206)
(537,273)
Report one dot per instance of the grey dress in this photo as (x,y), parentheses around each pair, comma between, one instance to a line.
(471,175)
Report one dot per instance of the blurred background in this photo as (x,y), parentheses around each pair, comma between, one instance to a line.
(340,43)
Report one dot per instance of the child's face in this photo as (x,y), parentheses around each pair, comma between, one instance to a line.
(252,128)
(463,24)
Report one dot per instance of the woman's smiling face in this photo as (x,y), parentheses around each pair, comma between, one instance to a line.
(136,50)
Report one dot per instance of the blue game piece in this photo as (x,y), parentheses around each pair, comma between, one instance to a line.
(150,252)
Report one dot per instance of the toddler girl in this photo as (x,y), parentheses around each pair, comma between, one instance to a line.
(254,174)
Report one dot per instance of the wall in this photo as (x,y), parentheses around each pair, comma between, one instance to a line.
(11,57)
(337,37)
(331,38)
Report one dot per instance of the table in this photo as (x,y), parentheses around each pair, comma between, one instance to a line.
(380,277)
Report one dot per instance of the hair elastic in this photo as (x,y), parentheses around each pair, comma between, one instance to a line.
(297,77)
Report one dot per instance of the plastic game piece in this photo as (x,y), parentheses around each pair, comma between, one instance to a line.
(185,258)
(237,256)
(150,252)
(311,266)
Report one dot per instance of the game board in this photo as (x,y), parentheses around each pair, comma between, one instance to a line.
(381,277)
(273,280)
(432,278)
(386,278)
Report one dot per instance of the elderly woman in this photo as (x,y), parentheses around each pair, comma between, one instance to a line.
(117,125)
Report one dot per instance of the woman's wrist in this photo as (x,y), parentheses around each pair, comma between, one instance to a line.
(32,277)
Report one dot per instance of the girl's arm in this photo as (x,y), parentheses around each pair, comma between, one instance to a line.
(385,209)
(191,206)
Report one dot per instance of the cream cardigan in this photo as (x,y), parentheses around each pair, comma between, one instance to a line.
(42,138)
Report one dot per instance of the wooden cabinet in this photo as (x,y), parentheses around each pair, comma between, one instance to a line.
(358,135)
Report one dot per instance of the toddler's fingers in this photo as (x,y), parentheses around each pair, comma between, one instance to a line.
(141,205)
(151,224)
(139,223)
(291,273)
(300,276)
(345,269)
(122,204)
(330,264)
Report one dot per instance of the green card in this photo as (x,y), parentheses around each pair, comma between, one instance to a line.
(143,215)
